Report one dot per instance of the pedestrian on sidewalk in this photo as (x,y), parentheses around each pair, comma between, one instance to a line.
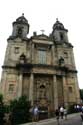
(81,115)
(61,112)
(57,113)
(65,113)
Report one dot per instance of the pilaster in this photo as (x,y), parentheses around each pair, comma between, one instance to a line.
(65,91)
(55,92)
(77,94)
(31,89)
(20,85)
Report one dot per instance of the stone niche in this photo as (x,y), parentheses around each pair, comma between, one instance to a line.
(43,90)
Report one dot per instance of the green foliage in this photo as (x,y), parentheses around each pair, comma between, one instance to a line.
(13,104)
(1,98)
(7,108)
(20,110)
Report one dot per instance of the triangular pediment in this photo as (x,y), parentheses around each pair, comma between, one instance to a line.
(41,36)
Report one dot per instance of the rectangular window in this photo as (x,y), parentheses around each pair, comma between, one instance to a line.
(65,55)
(11,88)
(70,89)
(42,56)
(16,50)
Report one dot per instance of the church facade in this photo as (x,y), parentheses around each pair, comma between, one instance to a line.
(40,67)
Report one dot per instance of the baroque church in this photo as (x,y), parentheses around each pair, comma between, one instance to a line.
(40,67)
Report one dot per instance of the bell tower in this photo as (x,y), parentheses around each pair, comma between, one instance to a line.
(20,27)
(59,33)
(17,52)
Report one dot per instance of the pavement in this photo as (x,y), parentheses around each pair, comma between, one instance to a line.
(51,120)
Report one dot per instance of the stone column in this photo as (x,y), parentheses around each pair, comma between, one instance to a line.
(55,92)
(65,91)
(31,89)
(19,90)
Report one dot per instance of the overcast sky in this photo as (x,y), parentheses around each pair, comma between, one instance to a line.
(42,14)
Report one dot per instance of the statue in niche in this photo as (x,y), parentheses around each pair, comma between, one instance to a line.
(42,89)
(42,92)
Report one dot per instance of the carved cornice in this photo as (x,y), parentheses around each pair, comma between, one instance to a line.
(15,37)
(29,67)
(24,65)
(8,67)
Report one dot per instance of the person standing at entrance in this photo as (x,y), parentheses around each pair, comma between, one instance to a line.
(36,113)
(65,113)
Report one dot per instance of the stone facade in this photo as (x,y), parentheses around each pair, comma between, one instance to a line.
(40,67)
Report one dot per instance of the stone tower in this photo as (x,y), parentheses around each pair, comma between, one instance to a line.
(40,67)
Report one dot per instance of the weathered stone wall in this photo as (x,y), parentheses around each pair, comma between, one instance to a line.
(62,86)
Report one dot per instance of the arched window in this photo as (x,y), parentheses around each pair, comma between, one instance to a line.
(61,36)
(22,58)
(20,31)
(70,89)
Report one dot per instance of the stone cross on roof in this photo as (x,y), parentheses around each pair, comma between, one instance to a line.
(56,19)
(22,14)
(42,31)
